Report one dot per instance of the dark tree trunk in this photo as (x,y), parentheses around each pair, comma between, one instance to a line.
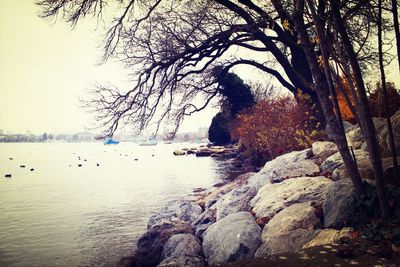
(384,89)
(300,65)
(321,88)
(365,116)
(396,28)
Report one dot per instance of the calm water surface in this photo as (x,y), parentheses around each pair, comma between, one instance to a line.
(64,215)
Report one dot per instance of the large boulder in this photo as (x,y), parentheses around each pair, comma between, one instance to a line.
(180,245)
(343,207)
(183,261)
(323,149)
(235,237)
(236,200)
(297,216)
(329,236)
(151,243)
(272,198)
(292,241)
(337,206)
(334,161)
(293,164)
(182,211)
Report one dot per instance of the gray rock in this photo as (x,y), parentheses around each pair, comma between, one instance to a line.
(236,200)
(273,198)
(183,261)
(355,138)
(292,241)
(324,149)
(151,243)
(293,164)
(337,206)
(201,224)
(364,168)
(180,245)
(297,216)
(181,210)
(334,161)
(235,237)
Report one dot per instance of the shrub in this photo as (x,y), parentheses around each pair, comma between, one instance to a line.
(218,132)
(274,127)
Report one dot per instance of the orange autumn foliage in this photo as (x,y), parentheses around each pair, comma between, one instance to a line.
(347,115)
(275,127)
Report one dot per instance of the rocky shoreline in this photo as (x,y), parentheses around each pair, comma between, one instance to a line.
(299,200)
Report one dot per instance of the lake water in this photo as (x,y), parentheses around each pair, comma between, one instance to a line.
(64,215)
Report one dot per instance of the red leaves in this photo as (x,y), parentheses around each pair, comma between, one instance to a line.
(275,127)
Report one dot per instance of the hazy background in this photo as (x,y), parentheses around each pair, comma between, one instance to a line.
(46,67)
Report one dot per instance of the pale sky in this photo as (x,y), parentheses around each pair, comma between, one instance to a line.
(45,68)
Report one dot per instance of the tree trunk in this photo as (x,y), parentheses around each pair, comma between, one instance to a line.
(384,89)
(323,94)
(396,29)
(365,116)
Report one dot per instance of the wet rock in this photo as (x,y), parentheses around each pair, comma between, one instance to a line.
(179,152)
(22,166)
(272,198)
(79,165)
(182,210)
(183,261)
(236,200)
(292,241)
(329,236)
(150,244)
(203,153)
(293,164)
(180,245)
(334,161)
(235,237)
(126,262)
(32,169)
(11,158)
(7,176)
(297,216)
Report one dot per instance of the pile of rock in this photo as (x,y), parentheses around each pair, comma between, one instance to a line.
(209,151)
(296,201)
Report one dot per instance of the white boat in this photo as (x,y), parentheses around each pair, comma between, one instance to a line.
(148,142)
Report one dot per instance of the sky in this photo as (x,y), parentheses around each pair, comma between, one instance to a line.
(46,67)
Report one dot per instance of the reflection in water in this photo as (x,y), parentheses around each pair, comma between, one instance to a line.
(64,215)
